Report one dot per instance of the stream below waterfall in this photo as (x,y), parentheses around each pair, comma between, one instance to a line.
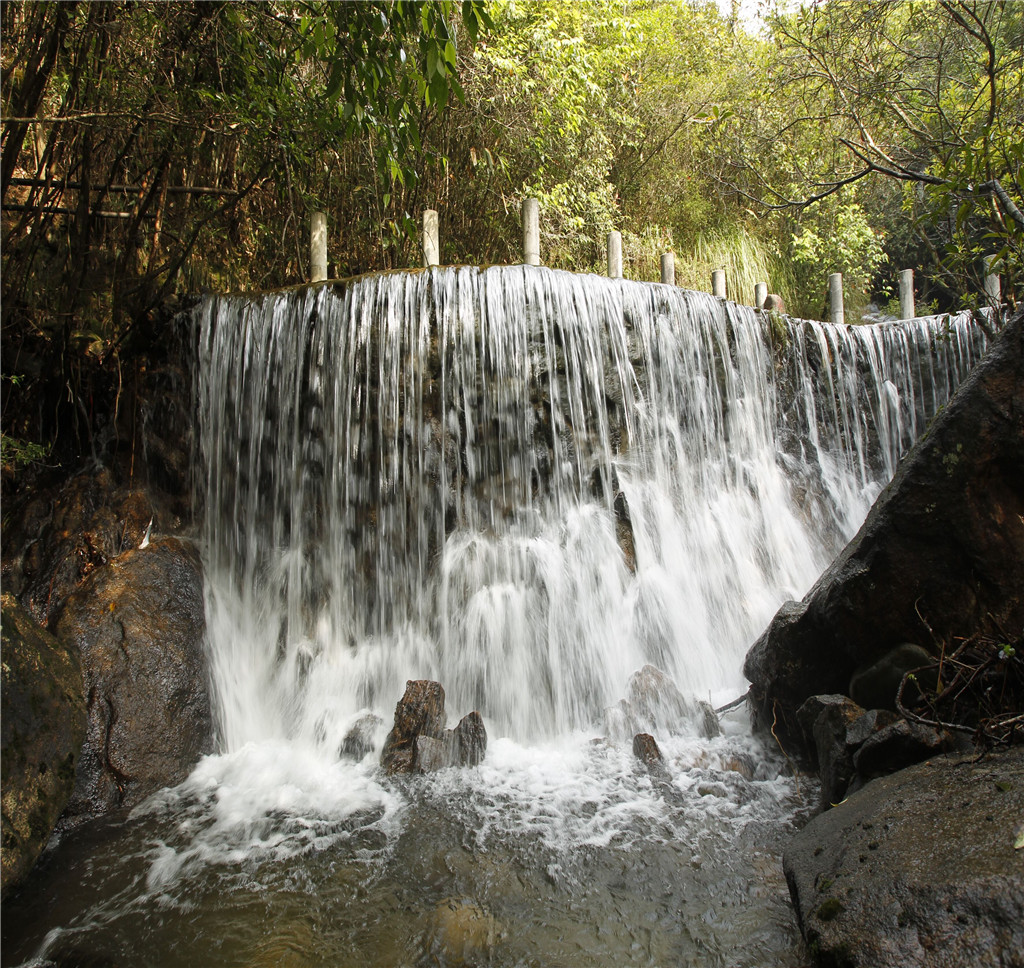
(526,485)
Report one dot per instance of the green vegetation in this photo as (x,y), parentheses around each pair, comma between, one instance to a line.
(152,149)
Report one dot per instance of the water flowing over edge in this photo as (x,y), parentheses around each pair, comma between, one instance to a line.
(527,484)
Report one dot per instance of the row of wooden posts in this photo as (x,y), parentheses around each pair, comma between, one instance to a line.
(531,256)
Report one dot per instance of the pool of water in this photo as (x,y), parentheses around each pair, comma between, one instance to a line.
(569,854)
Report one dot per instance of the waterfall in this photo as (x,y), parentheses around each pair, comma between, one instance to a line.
(526,484)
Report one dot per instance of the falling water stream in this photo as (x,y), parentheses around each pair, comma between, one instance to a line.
(526,485)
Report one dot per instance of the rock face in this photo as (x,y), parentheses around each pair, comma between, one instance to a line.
(138,625)
(940,555)
(43,730)
(918,869)
(419,742)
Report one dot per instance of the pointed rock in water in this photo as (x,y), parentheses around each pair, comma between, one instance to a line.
(43,730)
(646,750)
(656,700)
(419,743)
(471,739)
(420,712)
(707,720)
(358,740)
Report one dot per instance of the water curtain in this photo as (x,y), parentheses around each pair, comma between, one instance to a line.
(527,484)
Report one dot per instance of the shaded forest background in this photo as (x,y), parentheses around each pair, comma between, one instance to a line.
(152,150)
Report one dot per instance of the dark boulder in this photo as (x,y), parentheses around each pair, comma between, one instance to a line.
(941,554)
(43,730)
(419,742)
(138,625)
(918,869)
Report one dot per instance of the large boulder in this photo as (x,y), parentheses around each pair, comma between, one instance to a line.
(919,869)
(138,624)
(940,555)
(42,733)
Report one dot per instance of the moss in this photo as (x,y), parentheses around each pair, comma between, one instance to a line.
(829,909)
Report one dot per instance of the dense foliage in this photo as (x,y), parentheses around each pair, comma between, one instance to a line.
(155,148)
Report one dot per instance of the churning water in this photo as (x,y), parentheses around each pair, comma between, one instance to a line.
(526,485)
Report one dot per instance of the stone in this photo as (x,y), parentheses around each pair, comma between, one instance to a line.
(707,720)
(656,702)
(430,754)
(359,740)
(875,685)
(462,933)
(471,740)
(898,745)
(42,734)
(918,869)
(773,301)
(942,545)
(138,625)
(828,719)
(420,711)
(419,743)
(646,750)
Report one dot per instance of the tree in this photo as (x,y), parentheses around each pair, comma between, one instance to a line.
(925,96)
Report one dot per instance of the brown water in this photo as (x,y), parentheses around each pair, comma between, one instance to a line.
(566,856)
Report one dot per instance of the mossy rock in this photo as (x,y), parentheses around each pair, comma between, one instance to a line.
(42,735)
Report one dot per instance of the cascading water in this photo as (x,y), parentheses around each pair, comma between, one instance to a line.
(526,485)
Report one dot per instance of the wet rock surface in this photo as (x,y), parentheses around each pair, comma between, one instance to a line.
(138,625)
(940,555)
(918,868)
(43,729)
(419,742)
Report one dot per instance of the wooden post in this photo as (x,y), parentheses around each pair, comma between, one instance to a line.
(760,294)
(718,283)
(531,231)
(318,247)
(907,310)
(835,297)
(431,243)
(668,269)
(615,255)
(993,284)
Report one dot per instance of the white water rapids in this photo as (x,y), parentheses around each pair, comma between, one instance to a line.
(526,485)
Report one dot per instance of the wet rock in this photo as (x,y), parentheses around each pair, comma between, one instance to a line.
(646,750)
(624,531)
(837,728)
(707,720)
(918,869)
(138,625)
(359,740)
(656,702)
(430,754)
(875,686)
(42,734)
(471,740)
(462,934)
(773,301)
(419,743)
(60,536)
(943,544)
(898,745)
(420,711)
